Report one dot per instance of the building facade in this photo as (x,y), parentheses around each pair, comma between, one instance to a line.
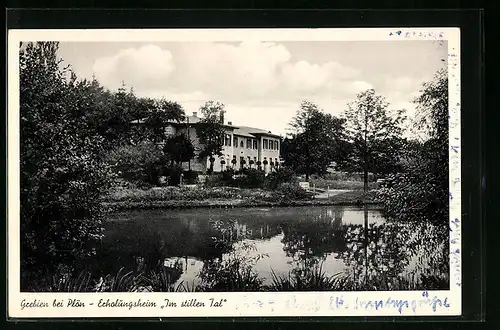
(244,146)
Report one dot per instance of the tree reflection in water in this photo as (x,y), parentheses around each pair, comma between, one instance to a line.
(309,242)
(372,254)
(396,256)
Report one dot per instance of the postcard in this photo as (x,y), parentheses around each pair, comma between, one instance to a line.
(234,172)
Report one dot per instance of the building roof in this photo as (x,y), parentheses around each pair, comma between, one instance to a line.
(252,132)
(246,131)
(187,119)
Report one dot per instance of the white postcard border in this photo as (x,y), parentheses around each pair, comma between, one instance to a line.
(396,303)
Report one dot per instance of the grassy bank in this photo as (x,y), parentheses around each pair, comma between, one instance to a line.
(241,279)
(222,197)
(340,184)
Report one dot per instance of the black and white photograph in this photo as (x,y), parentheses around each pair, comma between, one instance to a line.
(229,166)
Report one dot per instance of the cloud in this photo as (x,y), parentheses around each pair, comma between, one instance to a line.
(249,71)
(144,68)
(245,69)
(358,86)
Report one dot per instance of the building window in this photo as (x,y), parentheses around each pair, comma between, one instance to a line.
(242,161)
(265,144)
(227,142)
(242,145)
(249,143)
(235,141)
(276,145)
(255,144)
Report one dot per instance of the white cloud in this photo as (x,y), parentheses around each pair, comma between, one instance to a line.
(358,86)
(304,76)
(246,69)
(243,72)
(145,67)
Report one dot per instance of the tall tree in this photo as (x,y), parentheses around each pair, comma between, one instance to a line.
(373,129)
(422,191)
(315,141)
(179,148)
(63,176)
(160,114)
(211,131)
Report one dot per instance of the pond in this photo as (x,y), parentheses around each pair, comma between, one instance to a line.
(271,243)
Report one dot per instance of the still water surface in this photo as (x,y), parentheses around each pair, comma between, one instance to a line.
(283,238)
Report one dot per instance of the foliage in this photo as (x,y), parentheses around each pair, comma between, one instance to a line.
(160,113)
(191,177)
(375,134)
(63,175)
(311,279)
(211,131)
(280,176)
(233,272)
(422,191)
(173,174)
(179,148)
(394,255)
(287,192)
(317,140)
(250,178)
(141,163)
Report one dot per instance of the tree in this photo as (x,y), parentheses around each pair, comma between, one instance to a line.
(373,130)
(179,148)
(315,142)
(161,112)
(63,175)
(142,162)
(422,191)
(211,131)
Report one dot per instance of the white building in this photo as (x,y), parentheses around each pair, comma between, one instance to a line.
(244,144)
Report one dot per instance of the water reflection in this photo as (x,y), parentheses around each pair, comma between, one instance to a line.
(210,247)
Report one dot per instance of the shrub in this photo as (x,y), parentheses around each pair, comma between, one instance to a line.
(62,173)
(173,174)
(224,178)
(141,162)
(291,192)
(190,177)
(250,178)
(282,175)
(309,279)
(227,176)
(213,180)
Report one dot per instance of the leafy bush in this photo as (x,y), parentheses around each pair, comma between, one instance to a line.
(62,173)
(190,177)
(173,174)
(213,180)
(227,176)
(397,255)
(291,192)
(280,176)
(422,192)
(141,163)
(310,279)
(233,272)
(250,178)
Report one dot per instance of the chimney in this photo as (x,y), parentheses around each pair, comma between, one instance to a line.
(222,117)
(195,114)
(230,123)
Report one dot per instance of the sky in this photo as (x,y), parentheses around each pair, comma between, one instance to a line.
(261,83)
